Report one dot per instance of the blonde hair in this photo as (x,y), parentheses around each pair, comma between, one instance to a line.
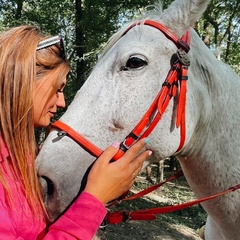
(20,66)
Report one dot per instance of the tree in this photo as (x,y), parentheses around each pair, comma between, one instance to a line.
(87,24)
(221,23)
(95,22)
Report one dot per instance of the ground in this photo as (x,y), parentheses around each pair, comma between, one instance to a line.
(180,225)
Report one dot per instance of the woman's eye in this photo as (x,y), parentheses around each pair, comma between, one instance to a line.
(135,63)
(60,91)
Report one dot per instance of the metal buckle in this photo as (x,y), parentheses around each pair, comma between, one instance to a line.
(183,57)
(60,135)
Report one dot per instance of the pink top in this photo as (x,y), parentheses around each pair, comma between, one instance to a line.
(81,221)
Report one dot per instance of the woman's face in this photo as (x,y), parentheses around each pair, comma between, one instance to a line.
(45,102)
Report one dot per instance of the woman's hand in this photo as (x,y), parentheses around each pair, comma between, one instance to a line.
(108,181)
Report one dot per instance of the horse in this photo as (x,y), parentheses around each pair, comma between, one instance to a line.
(119,90)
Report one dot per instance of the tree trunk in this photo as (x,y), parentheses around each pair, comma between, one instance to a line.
(79,45)
(207,35)
(229,32)
(19,9)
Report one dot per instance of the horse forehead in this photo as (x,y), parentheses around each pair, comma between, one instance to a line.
(146,38)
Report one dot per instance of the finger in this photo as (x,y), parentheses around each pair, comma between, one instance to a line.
(131,183)
(133,150)
(136,165)
(138,170)
(138,161)
(109,152)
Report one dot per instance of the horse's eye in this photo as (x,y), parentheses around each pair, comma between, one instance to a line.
(135,63)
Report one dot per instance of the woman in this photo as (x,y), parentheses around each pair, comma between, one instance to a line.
(33,73)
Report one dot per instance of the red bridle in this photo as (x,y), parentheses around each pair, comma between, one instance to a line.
(177,77)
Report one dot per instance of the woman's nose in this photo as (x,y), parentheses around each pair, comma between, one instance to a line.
(61,100)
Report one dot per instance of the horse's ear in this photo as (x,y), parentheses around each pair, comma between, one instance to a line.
(183,13)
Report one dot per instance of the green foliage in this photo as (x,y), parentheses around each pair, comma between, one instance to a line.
(222,19)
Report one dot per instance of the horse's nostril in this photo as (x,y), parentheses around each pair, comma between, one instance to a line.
(50,185)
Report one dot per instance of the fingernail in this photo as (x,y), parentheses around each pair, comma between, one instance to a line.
(150,153)
(147,140)
(116,144)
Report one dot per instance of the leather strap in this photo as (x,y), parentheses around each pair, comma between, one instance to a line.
(150,214)
(78,138)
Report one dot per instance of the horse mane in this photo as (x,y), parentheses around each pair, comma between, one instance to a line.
(152,12)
